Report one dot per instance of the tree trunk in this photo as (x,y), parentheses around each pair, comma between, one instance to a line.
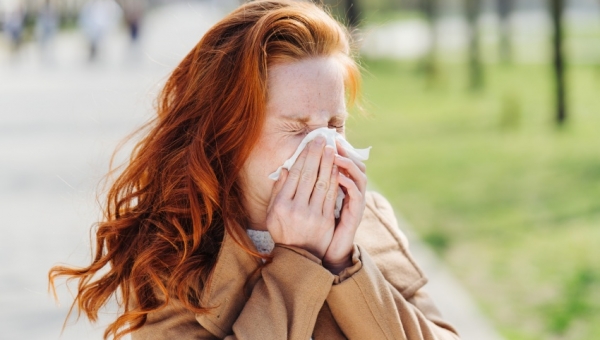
(352,13)
(559,63)
(505,7)
(429,8)
(475,67)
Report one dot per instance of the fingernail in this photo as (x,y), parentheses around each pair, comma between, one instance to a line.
(320,140)
(328,150)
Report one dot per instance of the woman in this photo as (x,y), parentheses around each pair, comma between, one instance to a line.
(175,243)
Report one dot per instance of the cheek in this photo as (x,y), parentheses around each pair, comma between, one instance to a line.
(267,156)
(264,160)
(286,149)
(271,154)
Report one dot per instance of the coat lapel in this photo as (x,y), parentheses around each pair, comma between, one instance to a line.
(380,235)
(231,282)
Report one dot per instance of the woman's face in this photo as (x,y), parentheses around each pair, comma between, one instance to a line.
(302,96)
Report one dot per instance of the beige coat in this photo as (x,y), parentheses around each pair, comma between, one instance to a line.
(294,297)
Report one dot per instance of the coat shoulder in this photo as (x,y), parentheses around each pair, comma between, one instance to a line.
(380,235)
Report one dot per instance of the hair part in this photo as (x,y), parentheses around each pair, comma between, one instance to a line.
(167,212)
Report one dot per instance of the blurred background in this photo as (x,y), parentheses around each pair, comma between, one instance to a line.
(484,117)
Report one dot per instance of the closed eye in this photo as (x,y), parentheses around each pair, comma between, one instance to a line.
(303,131)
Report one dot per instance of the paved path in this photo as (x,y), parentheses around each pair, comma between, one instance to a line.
(59,122)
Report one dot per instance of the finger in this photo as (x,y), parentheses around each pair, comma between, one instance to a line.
(351,168)
(310,168)
(293,176)
(342,152)
(277,187)
(341,149)
(332,192)
(351,188)
(322,184)
(354,199)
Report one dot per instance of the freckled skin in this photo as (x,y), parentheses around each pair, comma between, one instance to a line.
(302,96)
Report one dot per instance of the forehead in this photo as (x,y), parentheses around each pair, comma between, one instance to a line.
(306,88)
(305,70)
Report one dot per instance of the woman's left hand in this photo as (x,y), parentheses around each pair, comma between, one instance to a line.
(352,178)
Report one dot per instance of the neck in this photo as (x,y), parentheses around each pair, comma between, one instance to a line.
(257,214)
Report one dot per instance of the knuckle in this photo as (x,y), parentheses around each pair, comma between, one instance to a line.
(306,175)
(321,184)
(302,158)
(297,214)
(278,206)
(294,173)
(331,194)
(314,146)
(315,212)
(339,159)
(291,210)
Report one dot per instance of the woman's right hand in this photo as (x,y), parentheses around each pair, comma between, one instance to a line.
(300,212)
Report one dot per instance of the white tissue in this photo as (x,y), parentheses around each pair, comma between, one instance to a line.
(331,136)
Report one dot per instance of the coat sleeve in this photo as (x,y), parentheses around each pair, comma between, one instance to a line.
(366,306)
(284,304)
(383,298)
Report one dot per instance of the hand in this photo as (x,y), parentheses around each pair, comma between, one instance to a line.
(300,212)
(353,180)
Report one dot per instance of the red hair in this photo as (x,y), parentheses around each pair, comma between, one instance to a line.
(167,212)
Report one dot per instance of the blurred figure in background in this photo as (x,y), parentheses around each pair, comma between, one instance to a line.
(133,10)
(96,19)
(45,29)
(14,17)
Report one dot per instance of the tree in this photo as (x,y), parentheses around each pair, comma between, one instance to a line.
(505,7)
(352,13)
(475,67)
(557,9)
(429,8)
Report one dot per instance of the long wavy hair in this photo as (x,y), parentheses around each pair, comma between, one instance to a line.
(167,212)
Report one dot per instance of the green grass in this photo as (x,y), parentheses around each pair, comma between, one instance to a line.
(507,199)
